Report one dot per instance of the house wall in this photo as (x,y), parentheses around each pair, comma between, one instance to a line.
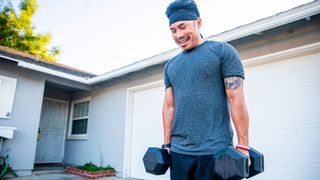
(106,128)
(106,133)
(25,117)
(26,111)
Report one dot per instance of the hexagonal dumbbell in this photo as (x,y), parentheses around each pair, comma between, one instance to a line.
(156,161)
(257,162)
(231,164)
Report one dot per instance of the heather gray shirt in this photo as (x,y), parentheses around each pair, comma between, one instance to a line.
(201,123)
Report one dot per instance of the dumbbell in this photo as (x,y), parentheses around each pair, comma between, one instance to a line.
(257,162)
(229,163)
(232,164)
(156,161)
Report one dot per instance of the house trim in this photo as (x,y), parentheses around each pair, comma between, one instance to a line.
(51,72)
(282,55)
(128,123)
(45,70)
(78,136)
(300,12)
(56,100)
(8,58)
(294,14)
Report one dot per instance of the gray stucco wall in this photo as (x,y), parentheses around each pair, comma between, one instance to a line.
(105,144)
(26,111)
(106,127)
(25,117)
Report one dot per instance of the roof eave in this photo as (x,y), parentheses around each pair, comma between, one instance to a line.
(300,12)
(46,70)
(286,17)
(297,13)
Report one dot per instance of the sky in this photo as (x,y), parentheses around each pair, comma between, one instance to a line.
(103,35)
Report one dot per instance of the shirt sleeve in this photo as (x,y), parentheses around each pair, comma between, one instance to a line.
(231,63)
(167,81)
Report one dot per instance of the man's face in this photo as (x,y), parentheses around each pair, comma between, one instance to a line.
(186,34)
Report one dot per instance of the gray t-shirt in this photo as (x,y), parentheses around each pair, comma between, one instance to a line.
(201,123)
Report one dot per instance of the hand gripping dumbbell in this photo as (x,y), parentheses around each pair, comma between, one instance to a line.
(156,161)
(257,162)
(232,164)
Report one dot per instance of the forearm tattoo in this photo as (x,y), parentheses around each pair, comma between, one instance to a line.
(232,82)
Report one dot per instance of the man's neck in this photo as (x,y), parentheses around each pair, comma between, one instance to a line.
(200,41)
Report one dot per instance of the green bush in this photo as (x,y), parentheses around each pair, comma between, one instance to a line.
(92,167)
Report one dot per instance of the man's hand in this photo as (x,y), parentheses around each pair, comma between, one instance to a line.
(169,150)
(167,147)
(247,154)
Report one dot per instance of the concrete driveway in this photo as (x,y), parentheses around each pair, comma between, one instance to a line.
(60,176)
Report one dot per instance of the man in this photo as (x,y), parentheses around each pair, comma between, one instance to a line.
(200,83)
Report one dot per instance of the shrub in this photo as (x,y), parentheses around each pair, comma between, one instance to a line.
(92,167)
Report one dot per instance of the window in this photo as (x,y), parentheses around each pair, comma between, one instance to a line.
(79,119)
(7,90)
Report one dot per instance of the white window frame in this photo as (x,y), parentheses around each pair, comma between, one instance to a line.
(78,136)
(14,80)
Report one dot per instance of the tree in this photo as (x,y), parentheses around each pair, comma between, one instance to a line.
(16,30)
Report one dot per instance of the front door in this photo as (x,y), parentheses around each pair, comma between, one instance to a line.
(51,133)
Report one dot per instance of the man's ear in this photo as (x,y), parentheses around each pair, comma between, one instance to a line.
(199,22)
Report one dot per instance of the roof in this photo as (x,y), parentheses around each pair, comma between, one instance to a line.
(286,17)
(60,70)
(23,58)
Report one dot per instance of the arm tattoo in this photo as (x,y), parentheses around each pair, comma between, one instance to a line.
(232,82)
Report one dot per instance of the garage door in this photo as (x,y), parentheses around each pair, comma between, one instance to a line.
(147,128)
(283,100)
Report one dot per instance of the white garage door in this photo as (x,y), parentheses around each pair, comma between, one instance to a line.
(147,128)
(283,100)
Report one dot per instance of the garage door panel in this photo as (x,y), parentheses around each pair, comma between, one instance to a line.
(309,142)
(285,138)
(283,104)
(312,173)
(147,128)
(285,172)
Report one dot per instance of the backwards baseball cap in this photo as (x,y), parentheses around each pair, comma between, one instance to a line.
(182,10)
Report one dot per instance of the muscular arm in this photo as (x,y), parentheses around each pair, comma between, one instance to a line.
(168,114)
(239,113)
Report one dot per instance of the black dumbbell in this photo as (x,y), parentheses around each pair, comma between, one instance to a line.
(156,161)
(257,162)
(231,164)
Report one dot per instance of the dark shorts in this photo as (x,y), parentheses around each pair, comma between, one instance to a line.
(189,167)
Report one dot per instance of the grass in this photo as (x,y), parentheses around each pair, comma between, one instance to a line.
(92,167)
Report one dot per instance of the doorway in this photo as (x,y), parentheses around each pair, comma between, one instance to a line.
(52,131)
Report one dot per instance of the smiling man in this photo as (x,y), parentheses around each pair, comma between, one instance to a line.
(204,86)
